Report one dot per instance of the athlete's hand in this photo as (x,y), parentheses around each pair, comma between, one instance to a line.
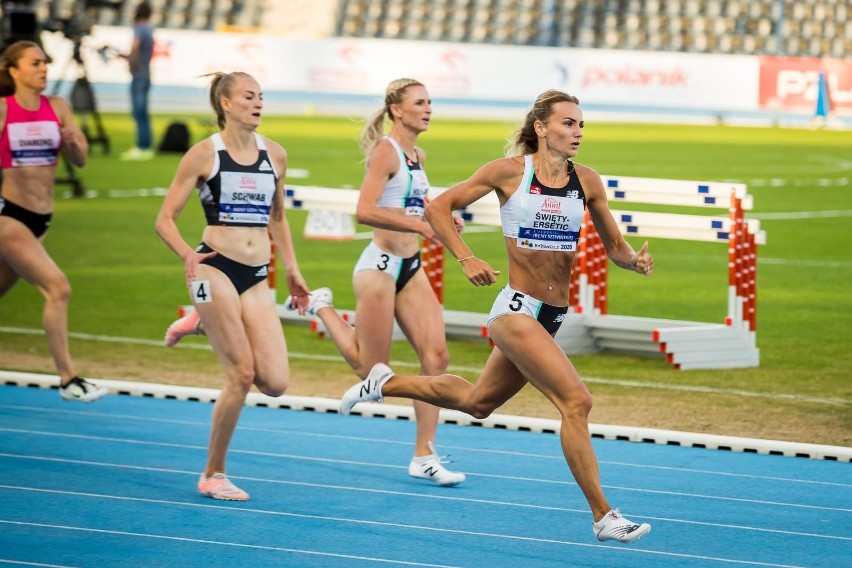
(299,291)
(459,223)
(479,272)
(642,262)
(191,263)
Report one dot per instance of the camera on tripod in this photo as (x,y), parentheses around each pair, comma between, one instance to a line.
(20,22)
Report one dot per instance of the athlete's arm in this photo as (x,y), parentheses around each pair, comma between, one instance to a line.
(74,142)
(279,228)
(382,164)
(439,214)
(191,172)
(618,249)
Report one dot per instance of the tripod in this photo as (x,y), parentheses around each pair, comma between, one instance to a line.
(83,103)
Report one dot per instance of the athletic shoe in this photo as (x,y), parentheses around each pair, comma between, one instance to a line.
(319,299)
(430,467)
(615,527)
(81,390)
(370,389)
(187,325)
(220,487)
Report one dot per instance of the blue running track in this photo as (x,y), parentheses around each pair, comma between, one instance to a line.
(113,484)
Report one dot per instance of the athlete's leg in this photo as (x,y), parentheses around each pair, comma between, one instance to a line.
(8,276)
(540,359)
(370,340)
(266,337)
(421,319)
(223,323)
(26,256)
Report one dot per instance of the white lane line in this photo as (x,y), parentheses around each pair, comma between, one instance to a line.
(336,437)
(303,458)
(477,370)
(222,543)
(22,563)
(500,536)
(796,215)
(419,495)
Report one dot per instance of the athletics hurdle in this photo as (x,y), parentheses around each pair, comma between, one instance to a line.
(686,345)
(588,328)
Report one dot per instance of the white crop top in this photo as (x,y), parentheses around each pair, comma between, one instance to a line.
(541,217)
(408,187)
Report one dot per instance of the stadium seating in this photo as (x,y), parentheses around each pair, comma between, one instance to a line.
(808,28)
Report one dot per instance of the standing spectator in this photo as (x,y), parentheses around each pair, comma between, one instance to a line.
(34,128)
(239,175)
(139,60)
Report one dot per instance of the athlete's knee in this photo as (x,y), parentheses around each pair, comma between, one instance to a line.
(480,410)
(274,387)
(577,402)
(243,375)
(435,361)
(58,289)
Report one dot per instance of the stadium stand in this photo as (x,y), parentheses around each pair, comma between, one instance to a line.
(806,28)
(809,28)
(179,14)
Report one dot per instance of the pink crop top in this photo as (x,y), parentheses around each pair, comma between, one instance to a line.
(29,137)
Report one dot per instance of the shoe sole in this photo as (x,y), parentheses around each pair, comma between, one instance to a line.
(222,498)
(631,541)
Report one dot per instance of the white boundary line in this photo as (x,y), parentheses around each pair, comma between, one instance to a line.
(504,421)
(346,520)
(477,370)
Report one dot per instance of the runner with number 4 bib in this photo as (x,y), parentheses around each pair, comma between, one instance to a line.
(239,175)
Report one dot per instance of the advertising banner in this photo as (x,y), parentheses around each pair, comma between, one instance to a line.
(467,73)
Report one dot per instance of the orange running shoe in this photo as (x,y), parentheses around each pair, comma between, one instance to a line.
(190,324)
(218,486)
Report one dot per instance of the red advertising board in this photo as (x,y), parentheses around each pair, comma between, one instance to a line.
(791,83)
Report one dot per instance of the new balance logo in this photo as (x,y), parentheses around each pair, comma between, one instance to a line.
(365,390)
(559,318)
(414,264)
(264,271)
(264,166)
(430,471)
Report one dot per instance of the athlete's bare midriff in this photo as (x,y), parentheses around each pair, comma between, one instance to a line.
(30,187)
(545,275)
(247,245)
(397,243)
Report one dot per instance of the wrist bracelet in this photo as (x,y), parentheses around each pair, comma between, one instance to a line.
(467,258)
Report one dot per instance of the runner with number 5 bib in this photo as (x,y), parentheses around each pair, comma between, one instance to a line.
(543,195)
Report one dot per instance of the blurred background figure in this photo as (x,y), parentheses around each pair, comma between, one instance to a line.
(139,60)
(34,128)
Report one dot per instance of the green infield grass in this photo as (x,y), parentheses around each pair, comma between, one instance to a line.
(127,284)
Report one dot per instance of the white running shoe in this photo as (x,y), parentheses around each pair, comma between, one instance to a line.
(320,298)
(615,527)
(81,390)
(431,467)
(370,389)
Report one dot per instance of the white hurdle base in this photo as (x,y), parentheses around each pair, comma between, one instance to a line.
(503,421)
(686,345)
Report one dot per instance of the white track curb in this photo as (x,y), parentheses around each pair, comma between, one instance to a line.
(505,421)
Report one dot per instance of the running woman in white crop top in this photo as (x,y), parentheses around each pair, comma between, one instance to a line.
(240,178)
(35,128)
(387,280)
(541,192)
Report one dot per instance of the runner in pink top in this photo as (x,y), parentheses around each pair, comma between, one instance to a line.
(34,128)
